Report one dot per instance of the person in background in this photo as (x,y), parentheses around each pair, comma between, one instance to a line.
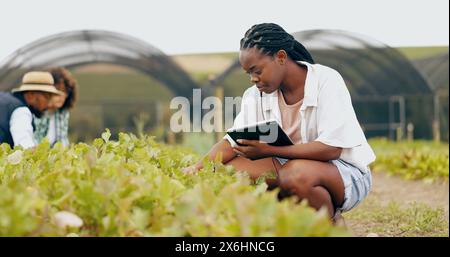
(17,108)
(54,124)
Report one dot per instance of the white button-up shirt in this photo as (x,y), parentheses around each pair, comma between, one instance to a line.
(21,128)
(327,114)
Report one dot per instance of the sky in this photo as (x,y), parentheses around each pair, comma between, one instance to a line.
(203,26)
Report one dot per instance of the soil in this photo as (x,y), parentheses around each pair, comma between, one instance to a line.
(386,189)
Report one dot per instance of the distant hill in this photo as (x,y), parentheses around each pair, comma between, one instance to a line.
(201,65)
(414,53)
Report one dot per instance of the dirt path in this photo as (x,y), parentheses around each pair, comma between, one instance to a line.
(390,188)
(387,189)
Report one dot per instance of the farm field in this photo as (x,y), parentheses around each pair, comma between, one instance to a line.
(134,187)
(410,193)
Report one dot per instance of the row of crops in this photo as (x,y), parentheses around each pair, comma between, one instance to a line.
(422,160)
(135,187)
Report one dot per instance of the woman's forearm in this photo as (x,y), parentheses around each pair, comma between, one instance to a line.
(312,151)
(223,147)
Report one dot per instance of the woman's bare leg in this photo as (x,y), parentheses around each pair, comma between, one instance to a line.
(256,168)
(318,182)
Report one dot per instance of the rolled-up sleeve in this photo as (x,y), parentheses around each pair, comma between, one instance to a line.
(21,128)
(337,124)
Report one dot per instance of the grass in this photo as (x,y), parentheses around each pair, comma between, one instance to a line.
(228,55)
(419,159)
(212,63)
(414,53)
(414,220)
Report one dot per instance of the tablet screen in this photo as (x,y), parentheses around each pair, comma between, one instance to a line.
(268,131)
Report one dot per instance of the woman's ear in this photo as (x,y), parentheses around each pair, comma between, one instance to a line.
(281,57)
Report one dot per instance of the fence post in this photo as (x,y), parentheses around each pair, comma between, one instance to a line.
(402,114)
(171,138)
(218,124)
(391,118)
(410,131)
(436,126)
(399,133)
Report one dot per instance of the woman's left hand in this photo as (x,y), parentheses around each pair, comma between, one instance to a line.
(252,149)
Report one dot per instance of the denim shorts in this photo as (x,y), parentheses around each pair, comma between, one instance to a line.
(357,183)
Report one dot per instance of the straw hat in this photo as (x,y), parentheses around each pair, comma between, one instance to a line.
(38,81)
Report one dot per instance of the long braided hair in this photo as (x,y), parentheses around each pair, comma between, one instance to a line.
(270,38)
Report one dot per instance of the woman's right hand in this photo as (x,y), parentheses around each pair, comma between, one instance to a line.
(190,169)
(223,147)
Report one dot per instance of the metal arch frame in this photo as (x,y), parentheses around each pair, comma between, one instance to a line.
(149,59)
(376,62)
(400,60)
(382,50)
(435,67)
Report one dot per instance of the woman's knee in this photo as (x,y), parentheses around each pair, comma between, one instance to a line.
(254,168)
(294,176)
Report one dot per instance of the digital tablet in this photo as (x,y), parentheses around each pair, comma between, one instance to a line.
(268,131)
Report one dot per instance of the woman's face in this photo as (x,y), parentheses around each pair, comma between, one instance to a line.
(266,72)
(57,101)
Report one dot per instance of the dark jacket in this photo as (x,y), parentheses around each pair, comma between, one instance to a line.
(8,103)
